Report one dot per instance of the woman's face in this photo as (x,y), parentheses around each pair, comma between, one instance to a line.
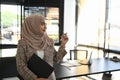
(42,27)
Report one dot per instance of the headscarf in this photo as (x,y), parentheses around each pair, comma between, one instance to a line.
(32,35)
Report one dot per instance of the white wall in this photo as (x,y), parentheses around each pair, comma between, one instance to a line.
(69,24)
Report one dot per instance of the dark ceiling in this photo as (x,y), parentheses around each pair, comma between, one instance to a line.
(53,3)
(12,1)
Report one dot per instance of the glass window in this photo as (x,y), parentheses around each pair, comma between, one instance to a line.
(12,17)
(91,20)
(113,24)
(52,19)
(10,24)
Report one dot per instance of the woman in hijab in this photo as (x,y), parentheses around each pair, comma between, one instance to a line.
(35,41)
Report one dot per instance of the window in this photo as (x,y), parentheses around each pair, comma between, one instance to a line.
(13,14)
(52,19)
(113,25)
(91,20)
(10,24)
(98,25)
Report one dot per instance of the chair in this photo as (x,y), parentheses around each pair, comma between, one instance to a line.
(8,67)
(77,54)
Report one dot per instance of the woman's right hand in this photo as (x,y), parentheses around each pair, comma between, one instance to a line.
(41,79)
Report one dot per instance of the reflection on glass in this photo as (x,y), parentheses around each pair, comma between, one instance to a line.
(52,19)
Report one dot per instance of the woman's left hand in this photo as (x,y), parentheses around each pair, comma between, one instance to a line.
(64,39)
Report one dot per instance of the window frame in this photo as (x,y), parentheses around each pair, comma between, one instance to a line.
(44,3)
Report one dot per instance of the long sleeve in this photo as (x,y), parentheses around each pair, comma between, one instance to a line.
(58,55)
(21,62)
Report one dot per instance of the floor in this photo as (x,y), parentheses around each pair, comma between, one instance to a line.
(115,76)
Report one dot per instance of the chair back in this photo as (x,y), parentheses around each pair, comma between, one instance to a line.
(77,54)
(8,67)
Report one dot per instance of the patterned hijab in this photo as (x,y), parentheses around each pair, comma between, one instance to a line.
(32,35)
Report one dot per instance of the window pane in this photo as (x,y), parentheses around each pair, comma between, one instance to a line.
(52,19)
(91,20)
(10,24)
(114,24)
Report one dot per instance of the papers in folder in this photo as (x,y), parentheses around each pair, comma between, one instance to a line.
(39,67)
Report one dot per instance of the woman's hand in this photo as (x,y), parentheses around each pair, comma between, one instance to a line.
(41,79)
(64,39)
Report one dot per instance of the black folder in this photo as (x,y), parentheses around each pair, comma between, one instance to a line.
(39,67)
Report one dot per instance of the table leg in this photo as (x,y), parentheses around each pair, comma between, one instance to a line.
(106,76)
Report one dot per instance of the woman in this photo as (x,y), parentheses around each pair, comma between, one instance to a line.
(35,41)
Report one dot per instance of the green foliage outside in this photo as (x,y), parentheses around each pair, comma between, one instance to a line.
(7,19)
